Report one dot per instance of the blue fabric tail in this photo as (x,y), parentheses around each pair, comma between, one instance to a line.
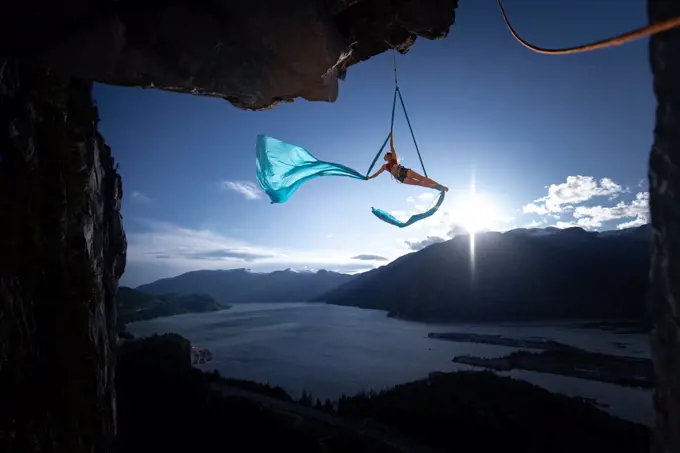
(282,167)
(394,104)
(389,218)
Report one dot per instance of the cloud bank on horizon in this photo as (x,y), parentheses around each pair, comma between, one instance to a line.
(579,201)
(164,249)
(174,250)
(562,201)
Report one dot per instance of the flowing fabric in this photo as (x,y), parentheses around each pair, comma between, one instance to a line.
(389,218)
(282,167)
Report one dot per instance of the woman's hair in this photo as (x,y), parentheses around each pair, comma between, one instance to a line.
(388,155)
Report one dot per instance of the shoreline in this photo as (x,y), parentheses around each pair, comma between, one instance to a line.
(632,400)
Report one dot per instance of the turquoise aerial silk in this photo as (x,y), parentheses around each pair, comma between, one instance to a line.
(282,167)
(389,218)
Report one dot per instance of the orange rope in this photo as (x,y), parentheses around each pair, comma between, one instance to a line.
(624,38)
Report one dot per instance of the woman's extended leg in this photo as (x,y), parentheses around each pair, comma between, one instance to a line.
(418,176)
(417,182)
(424,180)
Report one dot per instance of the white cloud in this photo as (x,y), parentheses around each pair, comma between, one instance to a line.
(536,223)
(576,189)
(564,203)
(139,197)
(179,249)
(369,257)
(456,230)
(401,215)
(593,217)
(533,208)
(638,221)
(249,190)
(562,207)
(422,202)
(421,244)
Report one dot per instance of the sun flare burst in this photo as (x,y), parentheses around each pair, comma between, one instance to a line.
(475,213)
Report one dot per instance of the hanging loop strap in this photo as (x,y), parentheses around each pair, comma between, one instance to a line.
(397,91)
(375,159)
(408,121)
(394,105)
(401,99)
(649,30)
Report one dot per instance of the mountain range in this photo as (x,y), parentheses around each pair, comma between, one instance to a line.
(518,275)
(242,285)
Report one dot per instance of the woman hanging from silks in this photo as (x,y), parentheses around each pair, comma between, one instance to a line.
(403,174)
(282,167)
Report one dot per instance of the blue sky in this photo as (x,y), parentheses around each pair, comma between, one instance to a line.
(544,140)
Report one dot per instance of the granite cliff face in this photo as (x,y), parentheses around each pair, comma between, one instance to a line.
(664,193)
(254,54)
(62,252)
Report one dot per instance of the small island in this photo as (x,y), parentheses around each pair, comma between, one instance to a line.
(620,327)
(500,340)
(134,305)
(557,358)
(625,371)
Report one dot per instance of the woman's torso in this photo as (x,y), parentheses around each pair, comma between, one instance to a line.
(393,166)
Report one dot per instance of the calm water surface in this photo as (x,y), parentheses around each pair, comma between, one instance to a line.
(331,350)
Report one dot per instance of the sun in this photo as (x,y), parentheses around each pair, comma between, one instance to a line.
(475,212)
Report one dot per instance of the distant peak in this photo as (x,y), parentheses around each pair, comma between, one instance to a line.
(304,270)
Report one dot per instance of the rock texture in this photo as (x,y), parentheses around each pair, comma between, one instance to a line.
(62,251)
(254,54)
(664,182)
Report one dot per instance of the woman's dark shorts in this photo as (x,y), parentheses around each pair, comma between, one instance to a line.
(402,173)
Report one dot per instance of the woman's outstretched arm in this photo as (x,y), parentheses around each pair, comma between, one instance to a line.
(382,169)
